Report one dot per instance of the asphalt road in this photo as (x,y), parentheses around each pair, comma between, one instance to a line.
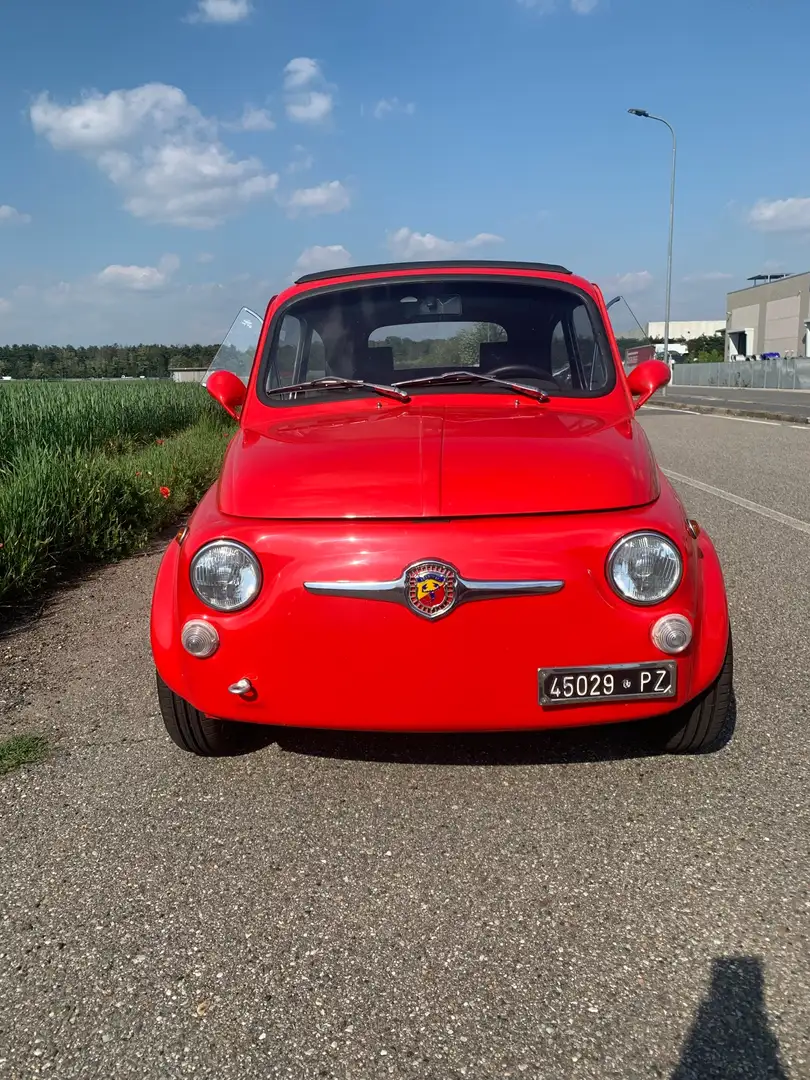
(545,906)
(794,403)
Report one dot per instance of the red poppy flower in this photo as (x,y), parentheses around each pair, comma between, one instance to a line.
(137,474)
(159,442)
(165,492)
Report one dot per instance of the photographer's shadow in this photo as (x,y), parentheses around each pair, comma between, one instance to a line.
(731,1038)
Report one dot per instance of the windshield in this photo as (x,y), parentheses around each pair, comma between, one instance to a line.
(237,351)
(543,335)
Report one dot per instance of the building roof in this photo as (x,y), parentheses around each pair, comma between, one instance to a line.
(760,280)
(458,264)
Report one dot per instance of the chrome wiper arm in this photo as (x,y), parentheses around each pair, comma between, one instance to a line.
(475,376)
(330,383)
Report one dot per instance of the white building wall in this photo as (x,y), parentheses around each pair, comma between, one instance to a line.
(744,318)
(782,325)
(189,374)
(687,330)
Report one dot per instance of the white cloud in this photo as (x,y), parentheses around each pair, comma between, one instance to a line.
(194,186)
(389,105)
(140,278)
(321,258)
(545,7)
(5,306)
(221,11)
(781,215)
(205,257)
(159,150)
(302,162)
(252,119)
(636,281)
(708,276)
(328,198)
(82,312)
(308,100)
(101,121)
(10,215)
(408,245)
(310,108)
(300,72)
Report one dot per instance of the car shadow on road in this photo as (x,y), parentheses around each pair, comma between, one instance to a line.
(731,1037)
(611,743)
(562,746)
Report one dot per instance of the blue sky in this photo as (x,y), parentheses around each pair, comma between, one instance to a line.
(166,161)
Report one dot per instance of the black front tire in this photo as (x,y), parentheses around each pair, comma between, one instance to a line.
(198,734)
(707,723)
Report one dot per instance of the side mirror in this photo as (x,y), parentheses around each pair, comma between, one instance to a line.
(228,389)
(645,379)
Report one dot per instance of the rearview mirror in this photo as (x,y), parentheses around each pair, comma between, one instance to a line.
(228,389)
(645,379)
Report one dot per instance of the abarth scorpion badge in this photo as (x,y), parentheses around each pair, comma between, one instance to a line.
(431,588)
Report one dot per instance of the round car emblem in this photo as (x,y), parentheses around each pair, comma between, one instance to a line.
(431,588)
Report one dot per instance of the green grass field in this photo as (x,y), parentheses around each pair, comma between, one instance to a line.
(89,470)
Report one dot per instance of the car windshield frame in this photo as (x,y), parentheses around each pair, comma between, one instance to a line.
(446,281)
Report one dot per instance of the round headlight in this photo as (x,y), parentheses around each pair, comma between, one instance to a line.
(225,575)
(644,568)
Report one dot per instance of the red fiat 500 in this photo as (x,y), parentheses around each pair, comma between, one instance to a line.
(438,470)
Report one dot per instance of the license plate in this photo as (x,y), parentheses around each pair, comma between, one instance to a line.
(615,682)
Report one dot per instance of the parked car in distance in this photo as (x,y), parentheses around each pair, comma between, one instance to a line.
(439,513)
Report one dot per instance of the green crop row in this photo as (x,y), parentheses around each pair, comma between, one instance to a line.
(110,416)
(77,489)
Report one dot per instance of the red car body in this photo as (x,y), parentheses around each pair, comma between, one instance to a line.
(495,487)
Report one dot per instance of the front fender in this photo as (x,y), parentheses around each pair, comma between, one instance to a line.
(714,626)
(164,625)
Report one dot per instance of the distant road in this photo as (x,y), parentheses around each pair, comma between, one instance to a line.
(791,402)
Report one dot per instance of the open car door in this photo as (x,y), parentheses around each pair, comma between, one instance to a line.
(238,350)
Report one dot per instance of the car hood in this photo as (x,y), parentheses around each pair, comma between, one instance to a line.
(412,461)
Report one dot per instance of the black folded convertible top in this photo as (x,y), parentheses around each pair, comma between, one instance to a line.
(436,264)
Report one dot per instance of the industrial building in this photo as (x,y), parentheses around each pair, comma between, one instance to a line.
(188,374)
(770,316)
(685,330)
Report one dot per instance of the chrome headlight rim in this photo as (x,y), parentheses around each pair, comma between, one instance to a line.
(225,542)
(637,534)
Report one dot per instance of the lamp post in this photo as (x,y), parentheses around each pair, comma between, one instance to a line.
(661,120)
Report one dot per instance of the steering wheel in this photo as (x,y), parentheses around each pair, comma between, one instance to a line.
(525,370)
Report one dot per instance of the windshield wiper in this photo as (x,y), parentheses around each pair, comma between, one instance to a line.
(474,376)
(330,383)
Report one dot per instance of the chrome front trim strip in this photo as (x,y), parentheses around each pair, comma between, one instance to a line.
(396,592)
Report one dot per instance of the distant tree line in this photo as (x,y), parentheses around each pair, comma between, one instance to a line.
(100,361)
(156,361)
(708,349)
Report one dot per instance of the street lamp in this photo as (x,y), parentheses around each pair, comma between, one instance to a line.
(660,119)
